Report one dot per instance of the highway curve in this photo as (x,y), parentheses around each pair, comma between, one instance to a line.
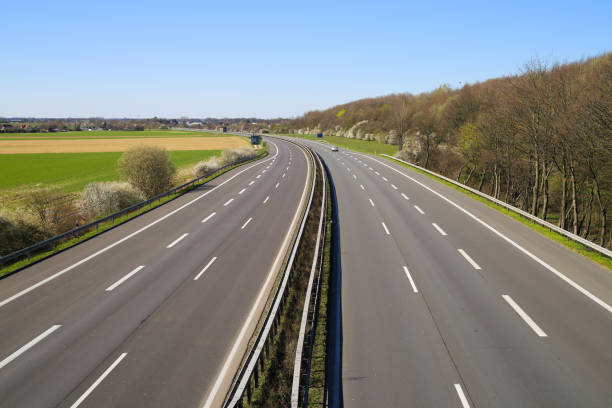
(446,302)
(150,313)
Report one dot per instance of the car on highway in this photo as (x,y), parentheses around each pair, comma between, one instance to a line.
(334,148)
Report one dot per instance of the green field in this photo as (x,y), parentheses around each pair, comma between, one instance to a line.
(105,134)
(357,145)
(70,172)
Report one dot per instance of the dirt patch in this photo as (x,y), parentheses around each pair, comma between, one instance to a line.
(119,145)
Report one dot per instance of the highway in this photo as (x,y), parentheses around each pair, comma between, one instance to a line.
(446,302)
(156,312)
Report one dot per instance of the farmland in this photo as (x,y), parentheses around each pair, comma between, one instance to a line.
(80,158)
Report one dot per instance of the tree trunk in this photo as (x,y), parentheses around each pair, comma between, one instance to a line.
(602,214)
(536,188)
(482,179)
(461,171)
(574,204)
(563,197)
(545,203)
(467,180)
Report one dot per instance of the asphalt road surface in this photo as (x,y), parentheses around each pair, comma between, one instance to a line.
(150,313)
(446,302)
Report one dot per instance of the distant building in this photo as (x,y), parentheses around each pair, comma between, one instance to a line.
(195,123)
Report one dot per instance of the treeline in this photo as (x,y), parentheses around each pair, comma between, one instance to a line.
(31,125)
(540,140)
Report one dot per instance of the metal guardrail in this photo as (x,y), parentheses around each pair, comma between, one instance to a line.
(256,357)
(74,233)
(308,316)
(546,224)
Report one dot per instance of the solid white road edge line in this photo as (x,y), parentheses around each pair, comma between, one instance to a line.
(260,297)
(176,241)
(534,257)
(209,217)
(419,209)
(385,227)
(205,268)
(126,277)
(114,244)
(98,381)
(414,288)
(469,259)
(462,398)
(29,345)
(246,223)
(440,230)
(524,316)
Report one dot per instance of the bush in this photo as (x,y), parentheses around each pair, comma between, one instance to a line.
(54,213)
(204,167)
(232,155)
(148,168)
(98,199)
(18,234)
(405,155)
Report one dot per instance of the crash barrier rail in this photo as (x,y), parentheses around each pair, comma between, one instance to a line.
(303,358)
(546,224)
(256,357)
(78,231)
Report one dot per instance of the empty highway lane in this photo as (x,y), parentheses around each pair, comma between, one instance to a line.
(449,303)
(148,314)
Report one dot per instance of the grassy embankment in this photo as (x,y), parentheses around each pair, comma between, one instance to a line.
(379,148)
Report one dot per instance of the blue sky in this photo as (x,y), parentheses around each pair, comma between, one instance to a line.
(270,59)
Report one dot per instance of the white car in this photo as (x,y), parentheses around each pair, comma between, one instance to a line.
(334,148)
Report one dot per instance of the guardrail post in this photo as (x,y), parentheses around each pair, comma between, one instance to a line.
(256,375)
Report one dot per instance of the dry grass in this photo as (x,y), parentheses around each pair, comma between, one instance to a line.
(119,145)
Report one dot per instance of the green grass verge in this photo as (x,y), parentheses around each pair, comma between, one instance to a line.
(70,172)
(555,236)
(110,224)
(357,145)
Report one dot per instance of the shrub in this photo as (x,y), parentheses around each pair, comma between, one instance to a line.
(231,155)
(148,168)
(18,234)
(54,213)
(204,167)
(98,199)
(405,155)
